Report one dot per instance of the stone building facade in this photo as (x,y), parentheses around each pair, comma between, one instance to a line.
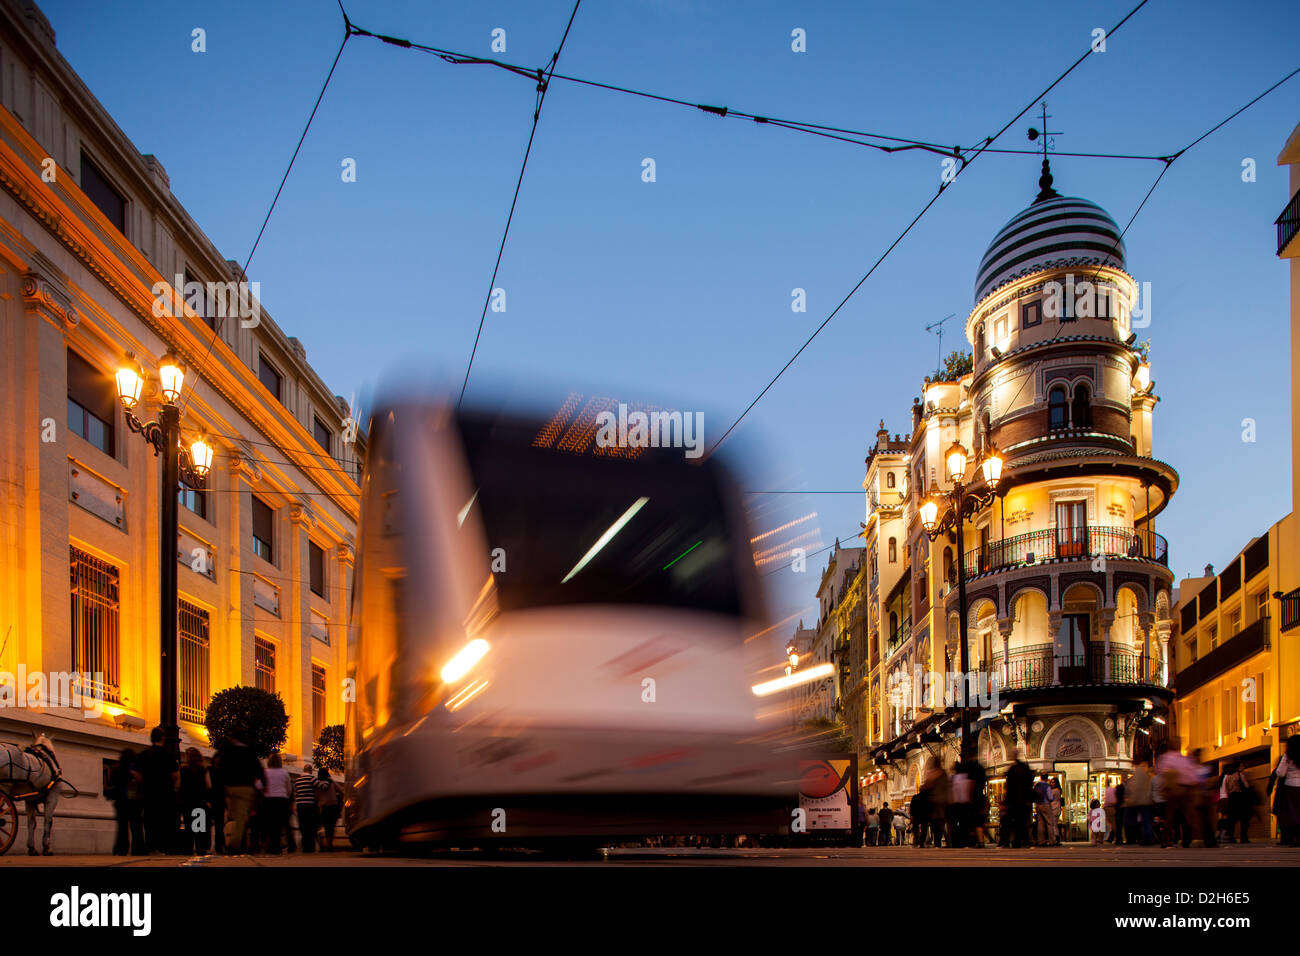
(92,243)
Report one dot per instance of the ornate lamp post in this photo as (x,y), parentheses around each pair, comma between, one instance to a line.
(193,464)
(961,505)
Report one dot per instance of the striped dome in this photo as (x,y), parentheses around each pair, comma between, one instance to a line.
(1051,230)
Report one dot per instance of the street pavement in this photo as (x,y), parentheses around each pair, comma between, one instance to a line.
(1232,855)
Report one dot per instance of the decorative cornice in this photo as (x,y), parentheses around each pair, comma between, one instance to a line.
(45,298)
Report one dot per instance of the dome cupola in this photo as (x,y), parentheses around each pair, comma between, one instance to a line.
(1054,231)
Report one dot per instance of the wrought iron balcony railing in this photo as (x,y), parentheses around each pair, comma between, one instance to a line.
(1041,666)
(1288,224)
(1084,541)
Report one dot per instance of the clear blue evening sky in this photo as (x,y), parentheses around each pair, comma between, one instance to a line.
(679,291)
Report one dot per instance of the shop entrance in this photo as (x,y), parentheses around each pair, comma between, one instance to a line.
(1075,790)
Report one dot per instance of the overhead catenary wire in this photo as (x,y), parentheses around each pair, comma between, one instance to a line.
(543,84)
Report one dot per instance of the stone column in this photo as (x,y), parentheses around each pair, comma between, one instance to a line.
(1146,622)
(35,398)
(1005,626)
(1106,622)
(1162,634)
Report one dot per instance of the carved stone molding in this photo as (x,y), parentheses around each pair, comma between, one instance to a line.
(300,513)
(44,297)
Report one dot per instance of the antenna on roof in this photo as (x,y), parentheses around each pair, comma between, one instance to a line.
(936,328)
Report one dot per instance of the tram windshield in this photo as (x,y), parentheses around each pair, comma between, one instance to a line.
(585,528)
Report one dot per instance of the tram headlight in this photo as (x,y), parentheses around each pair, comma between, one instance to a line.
(464,661)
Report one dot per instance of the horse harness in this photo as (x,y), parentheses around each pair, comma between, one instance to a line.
(46,757)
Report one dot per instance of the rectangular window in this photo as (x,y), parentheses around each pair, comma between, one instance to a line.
(194,644)
(1214,636)
(96,613)
(316,565)
(1071,529)
(1234,624)
(1191,650)
(92,404)
(317,699)
(263,530)
(1261,604)
(1000,331)
(1031,314)
(264,664)
(324,437)
(99,191)
(194,500)
(269,376)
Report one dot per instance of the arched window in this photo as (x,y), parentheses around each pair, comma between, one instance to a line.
(1081,412)
(986,430)
(889,479)
(949,574)
(893,550)
(1058,408)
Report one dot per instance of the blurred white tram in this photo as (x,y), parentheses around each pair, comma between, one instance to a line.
(551,643)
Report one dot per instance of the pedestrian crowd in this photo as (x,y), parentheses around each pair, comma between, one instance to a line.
(1172,800)
(230,804)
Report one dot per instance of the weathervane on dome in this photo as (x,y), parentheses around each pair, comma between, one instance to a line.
(1045,180)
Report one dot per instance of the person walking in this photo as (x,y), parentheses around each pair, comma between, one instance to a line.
(959,815)
(124,789)
(196,817)
(871,830)
(886,823)
(979,803)
(902,823)
(920,813)
(217,801)
(1180,781)
(1285,779)
(1110,803)
(1054,804)
(1241,802)
(241,776)
(1136,807)
(1159,810)
(327,800)
(1096,822)
(275,806)
(304,806)
(1019,797)
(1042,805)
(160,777)
(1206,789)
(936,786)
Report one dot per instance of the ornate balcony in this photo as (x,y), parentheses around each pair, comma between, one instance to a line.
(1041,666)
(1058,544)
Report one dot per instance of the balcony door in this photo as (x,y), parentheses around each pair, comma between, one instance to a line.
(1072,643)
(1071,529)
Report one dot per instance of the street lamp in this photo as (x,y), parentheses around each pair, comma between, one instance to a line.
(960,505)
(193,464)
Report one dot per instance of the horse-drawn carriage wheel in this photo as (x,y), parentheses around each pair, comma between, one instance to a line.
(8,823)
